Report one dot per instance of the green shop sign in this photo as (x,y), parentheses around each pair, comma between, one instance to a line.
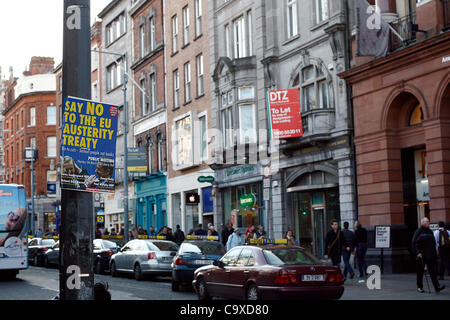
(247,200)
(203,179)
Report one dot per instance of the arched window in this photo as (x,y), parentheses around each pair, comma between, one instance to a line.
(416,116)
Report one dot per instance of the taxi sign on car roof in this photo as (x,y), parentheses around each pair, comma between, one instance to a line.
(213,238)
(143,236)
(268,241)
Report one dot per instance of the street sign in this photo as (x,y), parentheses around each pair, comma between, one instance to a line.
(207,179)
(88,145)
(382,237)
(137,162)
(100,219)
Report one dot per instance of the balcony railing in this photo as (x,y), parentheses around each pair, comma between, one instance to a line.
(405,28)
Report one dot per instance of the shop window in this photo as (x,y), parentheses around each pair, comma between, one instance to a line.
(416,116)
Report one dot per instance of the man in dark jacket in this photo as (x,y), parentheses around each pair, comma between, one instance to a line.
(348,248)
(200,231)
(361,248)
(226,232)
(179,235)
(424,247)
(333,244)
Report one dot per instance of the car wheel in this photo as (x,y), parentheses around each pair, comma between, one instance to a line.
(98,267)
(138,273)
(202,291)
(252,292)
(113,270)
(175,286)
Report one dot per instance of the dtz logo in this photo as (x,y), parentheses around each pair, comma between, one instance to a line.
(279,96)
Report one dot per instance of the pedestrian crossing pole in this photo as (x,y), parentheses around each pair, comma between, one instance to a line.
(76,279)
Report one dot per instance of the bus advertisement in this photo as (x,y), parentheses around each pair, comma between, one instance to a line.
(13,230)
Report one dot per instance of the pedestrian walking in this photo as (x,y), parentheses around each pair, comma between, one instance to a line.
(212,231)
(98,233)
(333,244)
(442,237)
(361,248)
(152,232)
(424,248)
(140,231)
(260,233)
(200,231)
(191,232)
(227,232)
(347,250)
(113,232)
(39,233)
(249,233)
(290,238)
(170,236)
(234,240)
(179,235)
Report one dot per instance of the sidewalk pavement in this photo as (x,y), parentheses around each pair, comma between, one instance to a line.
(395,287)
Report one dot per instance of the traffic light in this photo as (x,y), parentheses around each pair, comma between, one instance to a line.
(35,217)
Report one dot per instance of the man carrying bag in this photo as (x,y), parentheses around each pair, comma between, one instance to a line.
(333,243)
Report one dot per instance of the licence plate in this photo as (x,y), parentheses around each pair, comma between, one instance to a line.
(313,277)
(167,259)
(203,262)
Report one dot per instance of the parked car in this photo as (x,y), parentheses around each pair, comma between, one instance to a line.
(102,252)
(268,272)
(144,257)
(51,256)
(191,256)
(36,249)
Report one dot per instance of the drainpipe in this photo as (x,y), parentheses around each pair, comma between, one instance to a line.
(348,54)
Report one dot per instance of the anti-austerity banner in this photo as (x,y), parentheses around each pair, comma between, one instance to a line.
(88,145)
(285,114)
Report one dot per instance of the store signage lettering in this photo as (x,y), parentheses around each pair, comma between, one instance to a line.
(207,179)
(285,114)
(382,237)
(240,170)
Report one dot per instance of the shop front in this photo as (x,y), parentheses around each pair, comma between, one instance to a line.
(240,196)
(151,202)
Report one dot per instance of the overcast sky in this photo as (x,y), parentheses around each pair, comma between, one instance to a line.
(33,28)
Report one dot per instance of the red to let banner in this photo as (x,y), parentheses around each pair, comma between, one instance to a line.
(285,113)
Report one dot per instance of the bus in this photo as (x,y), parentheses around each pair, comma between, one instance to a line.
(13,230)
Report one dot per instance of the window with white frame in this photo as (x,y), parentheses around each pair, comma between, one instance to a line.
(198,18)
(321,10)
(176,89)
(315,89)
(32,116)
(116,29)
(153,93)
(247,123)
(150,156)
(227,41)
(246,93)
(239,38)
(292,18)
(51,147)
(114,75)
(152,33)
(142,41)
(143,100)
(227,127)
(187,82)
(186,25)
(33,142)
(160,154)
(200,83)
(94,59)
(183,133)
(203,137)
(174,34)
(51,115)
(250,32)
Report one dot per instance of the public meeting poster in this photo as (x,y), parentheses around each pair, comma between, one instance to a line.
(285,114)
(88,145)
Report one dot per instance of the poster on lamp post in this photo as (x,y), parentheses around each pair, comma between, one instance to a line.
(284,114)
(88,145)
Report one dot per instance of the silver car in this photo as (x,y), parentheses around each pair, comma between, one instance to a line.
(144,257)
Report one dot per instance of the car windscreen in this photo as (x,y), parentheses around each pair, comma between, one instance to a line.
(203,247)
(291,256)
(48,242)
(109,244)
(162,245)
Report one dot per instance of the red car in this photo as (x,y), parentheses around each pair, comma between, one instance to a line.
(268,272)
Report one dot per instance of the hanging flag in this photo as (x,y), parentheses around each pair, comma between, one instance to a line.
(372,32)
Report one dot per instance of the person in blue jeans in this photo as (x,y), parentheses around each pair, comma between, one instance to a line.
(347,250)
(361,248)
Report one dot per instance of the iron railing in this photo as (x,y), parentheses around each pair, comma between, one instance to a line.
(404,26)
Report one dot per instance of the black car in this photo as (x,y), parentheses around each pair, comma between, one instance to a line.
(51,256)
(37,248)
(103,251)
